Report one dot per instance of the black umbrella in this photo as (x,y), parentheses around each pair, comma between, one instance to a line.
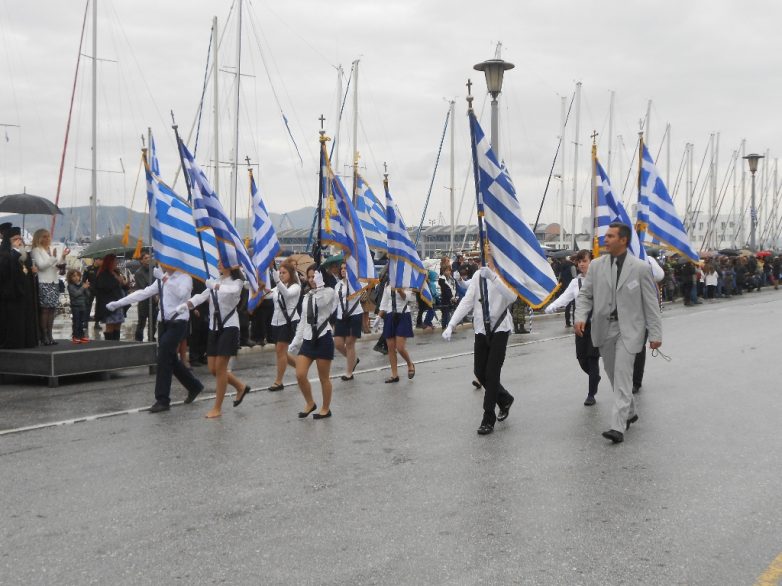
(729,252)
(109,245)
(27,203)
(562,253)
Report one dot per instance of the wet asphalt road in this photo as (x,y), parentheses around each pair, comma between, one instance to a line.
(397,488)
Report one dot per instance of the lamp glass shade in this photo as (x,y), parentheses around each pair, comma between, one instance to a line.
(753,162)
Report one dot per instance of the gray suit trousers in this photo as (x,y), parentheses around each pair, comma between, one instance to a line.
(618,363)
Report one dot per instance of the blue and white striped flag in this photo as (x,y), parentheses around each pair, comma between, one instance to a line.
(371,215)
(657,215)
(266,246)
(341,228)
(154,164)
(610,209)
(173,232)
(405,269)
(209,214)
(518,258)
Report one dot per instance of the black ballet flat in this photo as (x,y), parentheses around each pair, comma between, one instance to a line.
(238,402)
(392,379)
(319,416)
(303,414)
(278,387)
(346,377)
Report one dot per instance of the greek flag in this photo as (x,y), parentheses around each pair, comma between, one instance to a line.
(173,232)
(154,164)
(341,228)
(265,243)
(610,209)
(209,214)
(405,269)
(656,213)
(371,215)
(518,258)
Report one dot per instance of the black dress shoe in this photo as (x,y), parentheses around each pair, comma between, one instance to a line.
(278,387)
(346,377)
(392,379)
(505,411)
(319,416)
(636,389)
(633,419)
(616,437)
(191,395)
(485,429)
(476,384)
(303,414)
(158,407)
(244,394)
(590,400)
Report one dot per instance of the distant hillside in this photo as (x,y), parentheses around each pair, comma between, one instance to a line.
(75,222)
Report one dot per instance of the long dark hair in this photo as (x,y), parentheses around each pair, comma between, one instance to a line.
(109,264)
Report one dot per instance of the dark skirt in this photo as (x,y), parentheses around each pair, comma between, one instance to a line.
(349,327)
(323,349)
(584,347)
(285,333)
(398,325)
(225,343)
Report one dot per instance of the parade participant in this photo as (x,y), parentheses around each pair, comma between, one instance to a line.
(448,297)
(223,340)
(78,295)
(109,286)
(148,309)
(347,328)
(397,327)
(18,301)
(313,343)
(588,356)
(46,262)
(620,293)
(173,289)
(639,365)
(285,296)
(490,342)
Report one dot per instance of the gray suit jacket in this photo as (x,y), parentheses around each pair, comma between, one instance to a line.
(636,302)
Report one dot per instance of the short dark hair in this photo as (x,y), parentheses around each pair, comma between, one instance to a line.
(624,230)
(582,254)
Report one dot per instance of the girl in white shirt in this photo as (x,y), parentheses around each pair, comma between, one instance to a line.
(46,261)
(347,329)
(397,327)
(285,319)
(314,343)
(223,341)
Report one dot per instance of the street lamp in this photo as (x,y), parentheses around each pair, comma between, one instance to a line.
(753,214)
(494,69)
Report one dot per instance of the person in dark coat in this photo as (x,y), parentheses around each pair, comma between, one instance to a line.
(18,298)
(109,286)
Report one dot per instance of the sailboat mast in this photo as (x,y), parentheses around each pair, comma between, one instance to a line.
(610,132)
(453,172)
(355,127)
(216,104)
(94,170)
(338,118)
(562,151)
(648,122)
(235,162)
(740,236)
(575,163)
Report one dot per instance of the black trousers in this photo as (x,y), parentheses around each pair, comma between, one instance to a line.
(489,358)
(143,316)
(570,313)
(170,334)
(640,364)
(591,366)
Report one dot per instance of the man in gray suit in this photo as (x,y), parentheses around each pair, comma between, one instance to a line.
(621,294)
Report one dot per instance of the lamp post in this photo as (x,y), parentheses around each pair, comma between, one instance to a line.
(494,69)
(753,214)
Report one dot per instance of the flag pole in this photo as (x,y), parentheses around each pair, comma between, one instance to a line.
(595,202)
(479,205)
(639,225)
(317,247)
(190,201)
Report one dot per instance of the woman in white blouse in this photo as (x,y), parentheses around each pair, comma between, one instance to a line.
(314,343)
(397,327)
(350,317)
(223,341)
(285,296)
(46,261)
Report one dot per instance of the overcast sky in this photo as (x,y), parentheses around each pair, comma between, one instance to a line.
(707,66)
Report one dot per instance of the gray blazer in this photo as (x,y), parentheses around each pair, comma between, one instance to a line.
(636,302)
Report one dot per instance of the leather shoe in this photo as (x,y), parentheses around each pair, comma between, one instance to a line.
(505,411)
(590,400)
(303,414)
(633,419)
(191,395)
(485,429)
(158,407)
(246,390)
(636,389)
(278,387)
(616,437)
(319,416)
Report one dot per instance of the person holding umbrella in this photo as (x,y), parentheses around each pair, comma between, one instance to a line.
(46,261)
(109,286)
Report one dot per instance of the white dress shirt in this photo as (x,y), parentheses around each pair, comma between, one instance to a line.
(228,295)
(570,294)
(47,264)
(290,295)
(351,306)
(177,288)
(326,301)
(500,299)
(387,305)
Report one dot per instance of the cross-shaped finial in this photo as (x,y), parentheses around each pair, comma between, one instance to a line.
(173,120)
(322,121)
(469,87)
(385,167)
(247,158)
(143,143)
(593,136)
